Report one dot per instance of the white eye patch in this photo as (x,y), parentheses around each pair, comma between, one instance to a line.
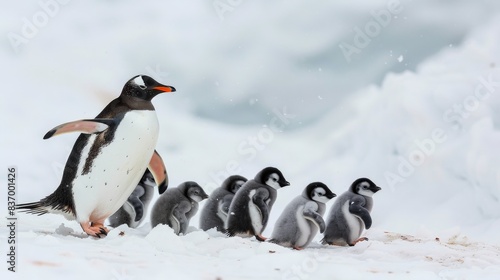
(273,181)
(140,82)
(239,183)
(319,195)
(274,176)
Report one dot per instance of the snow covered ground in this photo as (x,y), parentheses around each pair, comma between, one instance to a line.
(55,249)
(416,110)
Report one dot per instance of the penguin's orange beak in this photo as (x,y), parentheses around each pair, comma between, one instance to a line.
(164,88)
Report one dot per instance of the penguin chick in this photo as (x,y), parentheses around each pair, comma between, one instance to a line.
(175,207)
(214,213)
(350,214)
(133,211)
(302,217)
(249,211)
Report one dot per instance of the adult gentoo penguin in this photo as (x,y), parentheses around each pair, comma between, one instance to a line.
(133,211)
(249,211)
(177,206)
(214,213)
(302,217)
(108,159)
(350,214)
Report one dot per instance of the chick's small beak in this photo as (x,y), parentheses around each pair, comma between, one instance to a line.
(332,195)
(285,183)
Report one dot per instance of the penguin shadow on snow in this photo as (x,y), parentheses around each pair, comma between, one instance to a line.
(67,231)
(64,231)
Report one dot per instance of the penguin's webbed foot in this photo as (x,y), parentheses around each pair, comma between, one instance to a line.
(297,248)
(260,237)
(100,226)
(95,229)
(359,240)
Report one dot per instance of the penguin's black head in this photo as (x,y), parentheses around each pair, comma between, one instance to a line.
(194,192)
(272,177)
(144,87)
(364,186)
(319,192)
(233,183)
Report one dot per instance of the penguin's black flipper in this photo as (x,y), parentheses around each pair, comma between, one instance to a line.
(89,126)
(139,189)
(356,208)
(157,168)
(225,202)
(138,206)
(259,200)
(314,217)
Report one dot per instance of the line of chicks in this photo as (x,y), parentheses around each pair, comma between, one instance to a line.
(242,207)
(175,207)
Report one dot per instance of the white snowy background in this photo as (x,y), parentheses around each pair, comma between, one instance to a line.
(416,108)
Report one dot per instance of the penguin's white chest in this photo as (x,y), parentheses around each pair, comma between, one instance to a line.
(303,226)
(255,215)
(117,168)
(354,223)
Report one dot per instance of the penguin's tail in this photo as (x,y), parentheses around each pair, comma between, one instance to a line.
(35,208)
(324,242)
(229,233)
(41,208)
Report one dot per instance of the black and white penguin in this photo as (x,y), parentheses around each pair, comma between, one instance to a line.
(108,159)
(249,211)
(350,214)
(302,217)
(177,206)
(134,210)
(214,213)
